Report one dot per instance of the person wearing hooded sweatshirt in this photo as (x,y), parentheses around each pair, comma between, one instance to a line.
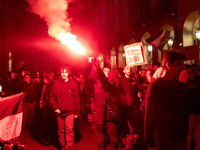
(99,110)
(65,101)
(115,99)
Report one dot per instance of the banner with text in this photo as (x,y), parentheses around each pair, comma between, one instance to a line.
(135,54)
(191,52)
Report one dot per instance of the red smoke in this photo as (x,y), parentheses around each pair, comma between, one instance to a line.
(54,12)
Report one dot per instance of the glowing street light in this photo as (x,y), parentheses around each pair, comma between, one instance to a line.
(170,42)
(150,48)
(197,33)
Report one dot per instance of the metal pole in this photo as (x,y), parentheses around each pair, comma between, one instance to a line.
(199,20)
(1,37)
(176,26)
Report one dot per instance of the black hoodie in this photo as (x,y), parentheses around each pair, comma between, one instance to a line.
(64,96)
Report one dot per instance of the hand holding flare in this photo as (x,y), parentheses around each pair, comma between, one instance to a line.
(96,63)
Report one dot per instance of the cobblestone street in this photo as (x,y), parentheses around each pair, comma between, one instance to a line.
(84,139)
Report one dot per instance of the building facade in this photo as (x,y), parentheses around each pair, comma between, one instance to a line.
(5,51)
(118,23)
(124,22)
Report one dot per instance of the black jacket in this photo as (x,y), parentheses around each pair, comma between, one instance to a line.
(30,92)
(166,110)
(116,98)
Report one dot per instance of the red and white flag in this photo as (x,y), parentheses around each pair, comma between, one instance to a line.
(11,118)
(160,42)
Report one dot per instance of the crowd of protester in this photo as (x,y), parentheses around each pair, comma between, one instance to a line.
(114,101)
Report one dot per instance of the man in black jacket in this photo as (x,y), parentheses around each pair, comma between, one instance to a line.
(99,109)
(166,109)
(130,111)
(114,100)
(29,89)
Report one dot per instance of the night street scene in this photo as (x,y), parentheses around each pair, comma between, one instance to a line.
(99,75)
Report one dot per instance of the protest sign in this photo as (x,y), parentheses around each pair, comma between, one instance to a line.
(135,54)
(191,52)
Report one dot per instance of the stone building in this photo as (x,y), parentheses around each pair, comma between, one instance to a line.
(118,23)
(123,22)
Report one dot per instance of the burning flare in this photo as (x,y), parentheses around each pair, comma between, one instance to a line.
(70,40)
(67,39)
(54,12)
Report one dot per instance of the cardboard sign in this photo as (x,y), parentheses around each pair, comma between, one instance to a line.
(135,54)
(191,52)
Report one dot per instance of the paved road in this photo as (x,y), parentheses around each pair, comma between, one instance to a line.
(85,140)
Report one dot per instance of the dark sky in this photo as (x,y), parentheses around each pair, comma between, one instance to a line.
(31,44)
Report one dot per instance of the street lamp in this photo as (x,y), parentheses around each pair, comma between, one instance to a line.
(150,48)
(150,55)
(170,42)
(197,33)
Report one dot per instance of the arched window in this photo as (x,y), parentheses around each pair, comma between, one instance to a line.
(113,57)
(121,56)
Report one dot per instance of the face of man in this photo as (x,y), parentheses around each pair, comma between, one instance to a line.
(143,73)
(149,75)
(46,81)
(105,71)
(64,74)
(176,68)
(51,77)
(27,79)
(24,72)
(12,75)
(127,71)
